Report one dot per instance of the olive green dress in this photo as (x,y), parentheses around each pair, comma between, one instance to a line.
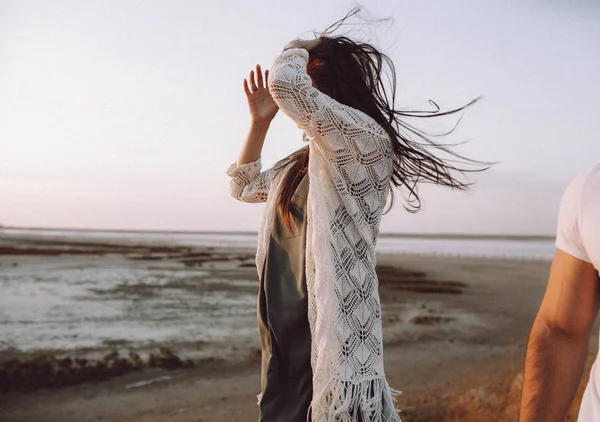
(286,378)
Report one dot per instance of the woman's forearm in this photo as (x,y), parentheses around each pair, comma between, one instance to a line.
(553,368)
(255,140)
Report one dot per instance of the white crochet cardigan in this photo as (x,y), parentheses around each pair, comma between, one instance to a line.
(350,165)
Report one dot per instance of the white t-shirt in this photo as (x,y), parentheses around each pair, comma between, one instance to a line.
(579,236)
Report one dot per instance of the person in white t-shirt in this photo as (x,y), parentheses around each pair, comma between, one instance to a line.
(559,340)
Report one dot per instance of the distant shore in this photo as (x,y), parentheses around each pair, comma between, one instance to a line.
(483,236)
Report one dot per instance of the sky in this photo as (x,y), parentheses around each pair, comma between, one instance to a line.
(125,114)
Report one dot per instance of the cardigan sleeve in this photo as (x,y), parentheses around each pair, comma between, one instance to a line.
(248,183)
(338,130)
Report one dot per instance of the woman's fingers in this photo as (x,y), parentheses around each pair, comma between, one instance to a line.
(259,77)
(256,80)
(252,81)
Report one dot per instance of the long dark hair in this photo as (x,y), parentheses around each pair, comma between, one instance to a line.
(353,73)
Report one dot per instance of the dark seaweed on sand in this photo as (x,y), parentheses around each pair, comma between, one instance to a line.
(47,371)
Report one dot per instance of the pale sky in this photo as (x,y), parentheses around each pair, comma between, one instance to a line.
(126,114)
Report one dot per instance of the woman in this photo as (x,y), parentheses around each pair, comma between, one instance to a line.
(319,311)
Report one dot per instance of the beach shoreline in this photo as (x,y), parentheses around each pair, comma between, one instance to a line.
(446,320)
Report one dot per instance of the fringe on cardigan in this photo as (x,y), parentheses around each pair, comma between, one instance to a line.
(343,401)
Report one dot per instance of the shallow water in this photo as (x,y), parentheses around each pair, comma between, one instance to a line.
(121,304)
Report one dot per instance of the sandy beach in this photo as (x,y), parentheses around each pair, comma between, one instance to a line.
(450,325)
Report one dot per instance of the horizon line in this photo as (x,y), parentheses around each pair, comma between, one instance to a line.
(253,232)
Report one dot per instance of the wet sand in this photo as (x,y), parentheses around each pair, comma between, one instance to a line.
(447,322)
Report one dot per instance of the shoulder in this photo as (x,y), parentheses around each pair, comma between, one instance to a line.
(583,187)
(590,180)
(584,184)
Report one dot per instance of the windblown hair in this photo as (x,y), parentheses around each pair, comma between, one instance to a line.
(353,73)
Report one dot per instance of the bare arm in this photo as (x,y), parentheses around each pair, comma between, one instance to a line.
(254,142)
(558,343)
(262,111)
(248,183)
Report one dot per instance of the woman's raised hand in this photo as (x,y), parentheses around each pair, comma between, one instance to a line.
(261,104)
